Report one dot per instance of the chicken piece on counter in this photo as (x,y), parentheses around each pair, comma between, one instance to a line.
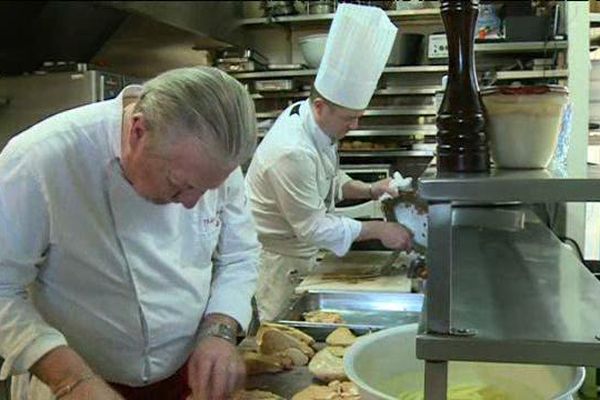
(257,363)
(256,395)
(335,390)
(323,317)
(274,341)
(341,337)
(287,329)
(327,367)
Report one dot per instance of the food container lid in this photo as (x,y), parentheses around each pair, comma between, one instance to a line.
(520,90)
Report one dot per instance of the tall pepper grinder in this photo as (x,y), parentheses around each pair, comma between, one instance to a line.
(461,138)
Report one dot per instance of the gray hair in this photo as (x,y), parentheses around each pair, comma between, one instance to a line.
(203,102)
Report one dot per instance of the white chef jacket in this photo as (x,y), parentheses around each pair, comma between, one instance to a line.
(123,281)
(293,183)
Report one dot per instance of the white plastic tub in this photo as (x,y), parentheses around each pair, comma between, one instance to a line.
(384,364)
(523,124)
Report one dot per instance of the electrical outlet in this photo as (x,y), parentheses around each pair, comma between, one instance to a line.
(438,46)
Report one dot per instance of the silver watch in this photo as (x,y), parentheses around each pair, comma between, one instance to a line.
(219,330)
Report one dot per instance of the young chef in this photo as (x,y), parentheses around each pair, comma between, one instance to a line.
(294,179)
(126,223)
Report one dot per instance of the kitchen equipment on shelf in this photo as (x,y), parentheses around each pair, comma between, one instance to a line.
(313,48)
(384,365)
(275,85)
(406,49)
(285,67)
(316,7)
(524,123)
(233,59)
(252,9)
(278,8)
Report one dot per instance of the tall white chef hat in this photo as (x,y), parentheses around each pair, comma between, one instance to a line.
(358,46)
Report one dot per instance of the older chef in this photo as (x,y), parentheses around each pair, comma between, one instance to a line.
(127,253)
(294,178)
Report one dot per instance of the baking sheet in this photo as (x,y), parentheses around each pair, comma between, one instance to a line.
(362,312)
(358,271)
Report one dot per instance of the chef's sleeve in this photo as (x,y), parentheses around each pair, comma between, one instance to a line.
(24,231)
(236,257)
(293,178)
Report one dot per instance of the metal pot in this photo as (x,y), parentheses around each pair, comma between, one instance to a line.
(320,7)
(406,49)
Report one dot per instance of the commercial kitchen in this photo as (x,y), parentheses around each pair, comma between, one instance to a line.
(482,125)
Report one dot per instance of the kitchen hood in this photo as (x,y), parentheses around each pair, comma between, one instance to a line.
(108,31)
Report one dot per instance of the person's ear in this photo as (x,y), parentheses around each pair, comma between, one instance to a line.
(137,131)
(319,106)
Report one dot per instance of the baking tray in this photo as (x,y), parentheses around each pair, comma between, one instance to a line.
(362,312)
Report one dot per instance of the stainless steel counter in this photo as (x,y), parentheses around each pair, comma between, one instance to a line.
(525,295)
(500,185)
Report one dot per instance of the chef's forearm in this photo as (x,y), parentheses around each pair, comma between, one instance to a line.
(370,230)
(355,190)
(59,367)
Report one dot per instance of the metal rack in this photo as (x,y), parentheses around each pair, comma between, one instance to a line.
(494,264)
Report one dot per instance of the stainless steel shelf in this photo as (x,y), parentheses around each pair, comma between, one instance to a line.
(406,130)
(430,15)
(528,186)
(526,295)
(396,111)
(554,73)
(595,19)
(313,72)
(391,91)
(516,47)
(383,154)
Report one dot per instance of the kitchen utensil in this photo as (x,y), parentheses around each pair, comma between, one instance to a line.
(406,49)
(524,123)
(274,85)
(411,212)
(384,364)
(313,48)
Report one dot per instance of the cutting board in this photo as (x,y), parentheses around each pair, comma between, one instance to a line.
(357,271)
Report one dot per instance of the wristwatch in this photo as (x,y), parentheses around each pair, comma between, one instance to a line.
(219,330)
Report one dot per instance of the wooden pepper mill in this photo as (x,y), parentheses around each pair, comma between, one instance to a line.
(461,138)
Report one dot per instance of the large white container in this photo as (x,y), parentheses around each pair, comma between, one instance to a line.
(523,123)
(384,364)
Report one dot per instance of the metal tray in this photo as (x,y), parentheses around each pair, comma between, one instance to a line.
(362,312)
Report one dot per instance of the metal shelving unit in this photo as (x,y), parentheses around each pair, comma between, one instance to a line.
(396,111)
(313,72)
(386,153)
(422,16)
(394,131)
(392,91)
(552,73)
(492,267)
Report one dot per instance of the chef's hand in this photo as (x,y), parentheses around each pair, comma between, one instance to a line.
(92,389)
(394,236)
(215,370)
(383,186)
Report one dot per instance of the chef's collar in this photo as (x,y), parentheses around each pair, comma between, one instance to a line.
(322,140)
(117,126)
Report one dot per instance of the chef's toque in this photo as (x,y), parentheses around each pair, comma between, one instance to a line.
(358,46)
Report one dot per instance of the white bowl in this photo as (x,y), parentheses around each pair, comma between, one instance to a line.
(523,128)
(313,48)
(384,364)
